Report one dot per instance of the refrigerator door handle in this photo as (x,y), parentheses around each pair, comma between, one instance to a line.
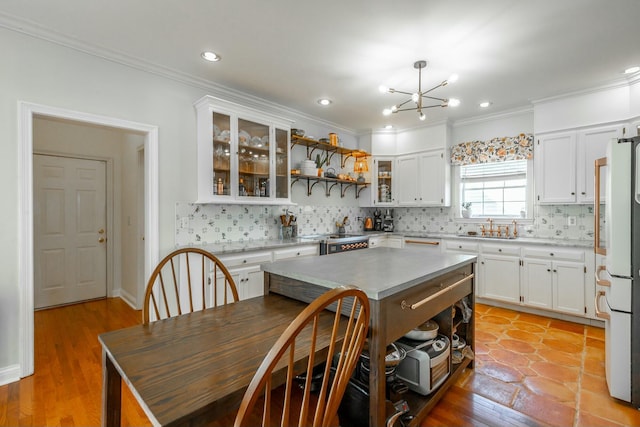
(599,281)
(599,163)
(601,314)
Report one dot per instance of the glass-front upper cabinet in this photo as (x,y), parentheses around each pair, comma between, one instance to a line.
(243,154)
(383,190)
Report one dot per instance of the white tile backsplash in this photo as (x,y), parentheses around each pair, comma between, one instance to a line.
(238,223)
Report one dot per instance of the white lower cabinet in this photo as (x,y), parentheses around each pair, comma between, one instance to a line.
(386,241)
(296,252)
(544,277)
(555,279)
(246,273)
(500,272)
(245,267)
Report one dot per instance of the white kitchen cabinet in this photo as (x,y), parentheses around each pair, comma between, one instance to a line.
(423,179)
(555,279)
(296,252)
(565,163)
(386,240)
(555,160)
(500,272)
(246,273)
(243,154)
(383,190)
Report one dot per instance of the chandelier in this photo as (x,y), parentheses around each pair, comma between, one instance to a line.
(419,97)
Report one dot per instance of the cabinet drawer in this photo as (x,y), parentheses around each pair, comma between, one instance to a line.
(552,253)
(501,249)
(455,245)
(295,252)
(414,306)
(247,258)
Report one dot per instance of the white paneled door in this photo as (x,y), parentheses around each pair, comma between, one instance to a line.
(70,246)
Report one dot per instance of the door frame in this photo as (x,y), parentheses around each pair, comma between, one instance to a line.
(26,113)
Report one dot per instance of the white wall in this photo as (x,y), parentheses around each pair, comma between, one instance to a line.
(599,106)
(49,74)
(492,126)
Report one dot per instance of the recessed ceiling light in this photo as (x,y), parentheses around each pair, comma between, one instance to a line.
(388,127)
(324,101)
(211,56)
(632,70)
(484,104)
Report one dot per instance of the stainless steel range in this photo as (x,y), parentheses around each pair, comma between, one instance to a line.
(336,243)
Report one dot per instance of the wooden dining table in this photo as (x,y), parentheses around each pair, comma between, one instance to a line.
(194,368)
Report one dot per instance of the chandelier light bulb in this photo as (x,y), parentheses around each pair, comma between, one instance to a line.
(386,112)
(394,108)
(422,116)
(383,89)
(415,97)
(453,102)
(452,78)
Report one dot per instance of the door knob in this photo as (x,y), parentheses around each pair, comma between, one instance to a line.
(101,240)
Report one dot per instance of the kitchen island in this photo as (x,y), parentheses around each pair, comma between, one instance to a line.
(406,287)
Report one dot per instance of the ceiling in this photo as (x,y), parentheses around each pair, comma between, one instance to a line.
(294,52)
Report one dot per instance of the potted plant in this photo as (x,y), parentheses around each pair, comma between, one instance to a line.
(321,161)
(466,210)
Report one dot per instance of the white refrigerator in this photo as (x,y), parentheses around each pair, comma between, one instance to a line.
(618,280)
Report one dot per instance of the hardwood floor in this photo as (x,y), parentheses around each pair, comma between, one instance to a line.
(530,371)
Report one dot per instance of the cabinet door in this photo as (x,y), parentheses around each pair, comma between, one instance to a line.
(433,183)
(555,160)
(537,279)
(282,182)
(568,287)
(407,181)
(592,145)
(500,278)
(383,179)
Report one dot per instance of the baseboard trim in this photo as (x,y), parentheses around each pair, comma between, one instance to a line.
(9,374)
(545,313)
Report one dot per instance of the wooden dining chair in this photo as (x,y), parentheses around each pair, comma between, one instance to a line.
(187,280)
(295,402)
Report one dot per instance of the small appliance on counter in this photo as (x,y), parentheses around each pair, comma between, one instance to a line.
(377,220)
(368,224)
(387,222)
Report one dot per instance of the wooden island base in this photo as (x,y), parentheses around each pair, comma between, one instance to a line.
(430,289)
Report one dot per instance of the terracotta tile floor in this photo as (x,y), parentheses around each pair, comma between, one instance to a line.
(548,369)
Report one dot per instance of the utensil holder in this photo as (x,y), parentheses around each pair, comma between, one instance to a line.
(286,232)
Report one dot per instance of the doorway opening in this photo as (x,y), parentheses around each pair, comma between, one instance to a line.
(149,134)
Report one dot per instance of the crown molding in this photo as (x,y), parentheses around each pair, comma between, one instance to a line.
(616,84)
(494,116)
(34,30)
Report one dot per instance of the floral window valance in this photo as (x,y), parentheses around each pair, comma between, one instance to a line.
(496,150)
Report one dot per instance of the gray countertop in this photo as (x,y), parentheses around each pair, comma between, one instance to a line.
(380,272)
(270,244)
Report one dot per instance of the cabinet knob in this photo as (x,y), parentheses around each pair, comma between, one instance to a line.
(244,261)
(551,254)
(548,269)
(297,253)
(573,193)
(583,193)
(500,250)
(555,271)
